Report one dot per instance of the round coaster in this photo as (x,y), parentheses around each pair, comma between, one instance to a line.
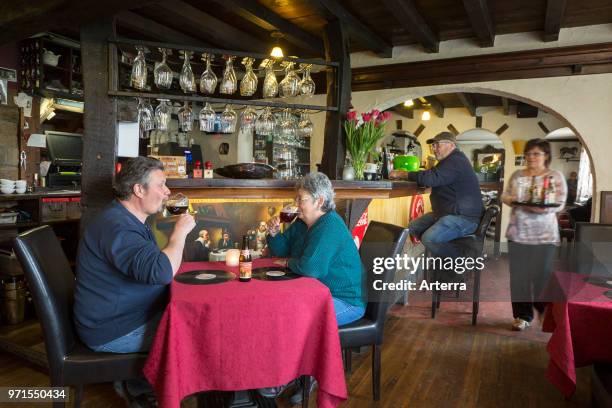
(274,273)
(204,277)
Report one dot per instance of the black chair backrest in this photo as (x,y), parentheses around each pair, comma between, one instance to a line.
(490,213)
(380,241)
(592,253)
(590,232)
(52,284)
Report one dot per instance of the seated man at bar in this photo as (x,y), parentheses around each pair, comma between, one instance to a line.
(319,245)
(455,197)
(122,275)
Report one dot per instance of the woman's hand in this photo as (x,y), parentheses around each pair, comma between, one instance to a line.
(273,226)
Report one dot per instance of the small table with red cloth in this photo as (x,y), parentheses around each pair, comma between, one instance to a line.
(236,336)
(581,329)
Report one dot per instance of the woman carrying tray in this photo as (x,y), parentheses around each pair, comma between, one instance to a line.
(533,232)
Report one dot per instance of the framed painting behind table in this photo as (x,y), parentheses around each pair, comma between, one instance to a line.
(605,209)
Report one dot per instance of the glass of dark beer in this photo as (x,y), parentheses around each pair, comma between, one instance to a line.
(177,204)
(288,213)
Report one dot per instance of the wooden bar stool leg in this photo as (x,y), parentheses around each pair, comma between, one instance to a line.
(305,390)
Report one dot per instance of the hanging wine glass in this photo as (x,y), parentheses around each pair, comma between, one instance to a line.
(270,85)
(290,85)
(146,115)
(228,83)
(305,127)
(163,113)
(264,125)
(307,85)
(207,118)
(288,127)
(228,120)
(138,78)
(208,80)
(162,74)
(185,117)
(247,119)
(248,84)
(187,79)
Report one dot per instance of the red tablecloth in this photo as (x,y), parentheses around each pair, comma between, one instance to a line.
(238,336)
(581,327)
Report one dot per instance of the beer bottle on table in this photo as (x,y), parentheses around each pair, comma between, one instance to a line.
(246,263)
(544,192)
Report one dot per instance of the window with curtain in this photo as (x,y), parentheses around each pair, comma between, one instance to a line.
(585,178)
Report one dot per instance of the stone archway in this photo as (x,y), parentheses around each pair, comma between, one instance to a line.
(382,100)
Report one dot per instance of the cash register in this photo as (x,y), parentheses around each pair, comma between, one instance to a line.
(66,154)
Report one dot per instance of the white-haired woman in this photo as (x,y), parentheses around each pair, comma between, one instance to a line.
(319,245)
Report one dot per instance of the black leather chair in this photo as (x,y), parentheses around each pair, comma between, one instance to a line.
(588,257)
(601,385)
(51,281)
(469,246)
(380,240)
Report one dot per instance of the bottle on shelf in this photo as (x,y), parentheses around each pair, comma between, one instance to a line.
(197,170)
(246,263)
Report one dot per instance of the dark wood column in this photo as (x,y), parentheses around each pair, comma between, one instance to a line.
(99,119)
(336,41)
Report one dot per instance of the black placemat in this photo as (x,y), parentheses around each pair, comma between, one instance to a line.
(191,277)
(262,273)
(599,281)
(538,205)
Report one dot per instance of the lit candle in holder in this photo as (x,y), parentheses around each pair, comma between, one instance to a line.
(232,257)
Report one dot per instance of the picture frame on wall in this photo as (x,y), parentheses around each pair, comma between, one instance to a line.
(519,160)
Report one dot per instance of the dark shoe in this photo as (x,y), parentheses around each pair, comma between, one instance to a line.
(296,398)
(273,392)
(147,400)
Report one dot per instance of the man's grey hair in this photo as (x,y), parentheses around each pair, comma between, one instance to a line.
(134,171)
(318,185)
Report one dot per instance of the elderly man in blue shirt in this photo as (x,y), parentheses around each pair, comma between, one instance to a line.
(455,197)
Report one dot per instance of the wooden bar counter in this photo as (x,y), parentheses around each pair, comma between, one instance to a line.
(272,188)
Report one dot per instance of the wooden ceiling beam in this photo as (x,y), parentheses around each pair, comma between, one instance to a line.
(218,31)
(468,102)
(506,106)
(404,111)
(265,18)
(555,11)
(407,14)
(360,31)
(155,30)
(542,63)
(436,105)
(19,20)
(480,17)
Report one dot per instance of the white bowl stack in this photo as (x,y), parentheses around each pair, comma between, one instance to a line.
(12,186)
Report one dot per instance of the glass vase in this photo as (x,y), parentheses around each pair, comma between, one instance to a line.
(359,162)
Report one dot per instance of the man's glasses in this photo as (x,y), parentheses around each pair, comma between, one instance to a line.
(435,145)
(299,200)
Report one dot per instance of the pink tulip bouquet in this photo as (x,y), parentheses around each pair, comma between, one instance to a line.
(361,138)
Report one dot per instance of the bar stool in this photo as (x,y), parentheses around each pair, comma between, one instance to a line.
(471,246)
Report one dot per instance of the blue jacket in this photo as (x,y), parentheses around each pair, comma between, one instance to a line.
(122,277)
(454,187)
(326,252)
